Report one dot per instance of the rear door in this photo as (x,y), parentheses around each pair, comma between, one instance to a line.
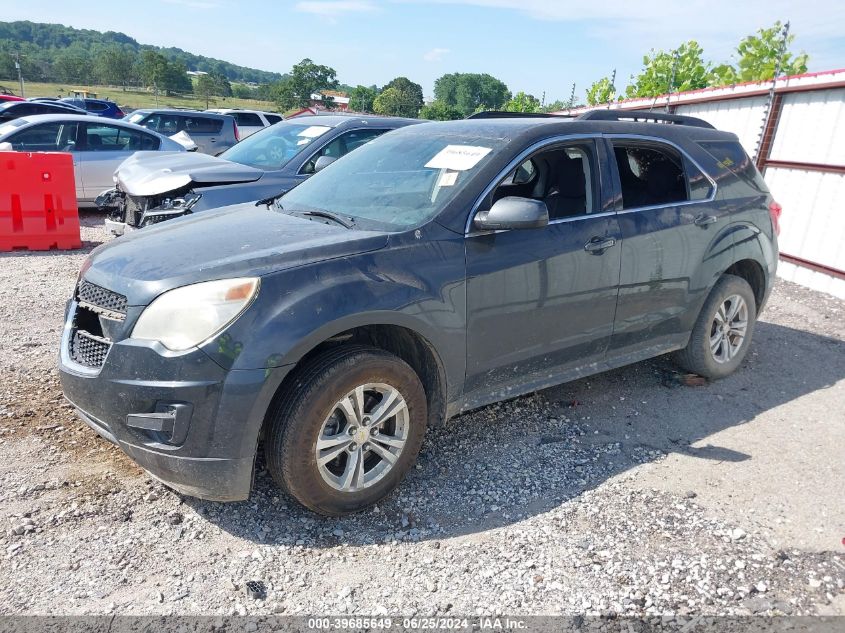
(672,243)
(541,302)
(103,148)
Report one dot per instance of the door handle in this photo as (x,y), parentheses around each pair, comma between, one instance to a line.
(703,220)
(599,245)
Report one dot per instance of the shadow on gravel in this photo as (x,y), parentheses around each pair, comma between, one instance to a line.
(506,462)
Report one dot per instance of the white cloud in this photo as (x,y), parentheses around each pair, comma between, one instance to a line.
(435,54)
(334,8)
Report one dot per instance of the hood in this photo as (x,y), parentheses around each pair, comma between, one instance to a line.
(151,175)
(238,241)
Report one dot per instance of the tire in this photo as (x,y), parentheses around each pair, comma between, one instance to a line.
(710,352)
(363,462)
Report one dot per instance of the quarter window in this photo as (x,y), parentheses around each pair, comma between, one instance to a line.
(651,175)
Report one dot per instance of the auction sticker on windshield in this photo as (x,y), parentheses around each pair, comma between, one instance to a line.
(458,157)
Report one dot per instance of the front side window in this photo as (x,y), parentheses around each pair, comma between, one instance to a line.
(341,146)
(167,124)
(650,175)
(564,177)
(47,137)
(398,181)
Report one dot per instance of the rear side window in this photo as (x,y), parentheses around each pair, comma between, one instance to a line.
(273,118)
(649,175)
(202,125)
(248,119)
(47,137)
(731,156)
(96,106)
(111,138)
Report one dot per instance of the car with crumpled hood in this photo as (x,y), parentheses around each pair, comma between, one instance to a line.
(262,166)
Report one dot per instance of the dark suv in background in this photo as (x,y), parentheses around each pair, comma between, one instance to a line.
(436,269)
(213,133)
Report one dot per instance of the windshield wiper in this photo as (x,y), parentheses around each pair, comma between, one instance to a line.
(334,217)
(270,200)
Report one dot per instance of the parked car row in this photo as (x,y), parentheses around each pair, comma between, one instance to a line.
(437,268)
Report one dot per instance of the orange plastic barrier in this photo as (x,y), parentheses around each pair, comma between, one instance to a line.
(38,202)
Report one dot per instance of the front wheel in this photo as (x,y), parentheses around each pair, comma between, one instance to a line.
(348,430)
(722,334)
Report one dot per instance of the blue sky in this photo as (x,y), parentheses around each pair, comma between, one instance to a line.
(532,45)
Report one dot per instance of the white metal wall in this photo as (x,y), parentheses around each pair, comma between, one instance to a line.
(743,117)
(811,129)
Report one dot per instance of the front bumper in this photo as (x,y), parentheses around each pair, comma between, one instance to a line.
(205,450)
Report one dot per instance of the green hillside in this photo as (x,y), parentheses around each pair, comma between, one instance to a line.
(57,53)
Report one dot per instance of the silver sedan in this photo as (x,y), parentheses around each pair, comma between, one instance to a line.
(98,146)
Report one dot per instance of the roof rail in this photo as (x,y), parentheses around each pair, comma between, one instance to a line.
(643,116)
(501,114)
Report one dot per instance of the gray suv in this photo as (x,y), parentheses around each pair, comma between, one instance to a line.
(436,269)
(213,133)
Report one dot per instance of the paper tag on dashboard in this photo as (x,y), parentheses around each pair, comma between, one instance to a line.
(458,157)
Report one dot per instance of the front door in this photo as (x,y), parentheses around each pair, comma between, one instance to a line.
(542,301)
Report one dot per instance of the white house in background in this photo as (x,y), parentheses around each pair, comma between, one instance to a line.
(799,146)
(196,73)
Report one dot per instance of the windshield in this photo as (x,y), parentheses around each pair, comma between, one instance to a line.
(11,126)
(395,182)
(273,147)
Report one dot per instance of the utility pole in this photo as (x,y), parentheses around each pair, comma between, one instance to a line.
(18,68)
(675,59)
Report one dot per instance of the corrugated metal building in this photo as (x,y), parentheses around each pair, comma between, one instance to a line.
(797,133)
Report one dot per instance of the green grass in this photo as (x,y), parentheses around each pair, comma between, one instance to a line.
(135,98)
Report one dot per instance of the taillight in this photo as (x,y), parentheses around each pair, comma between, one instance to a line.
(775,210)
(237,134)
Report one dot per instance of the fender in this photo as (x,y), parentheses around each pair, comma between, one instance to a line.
(316,302)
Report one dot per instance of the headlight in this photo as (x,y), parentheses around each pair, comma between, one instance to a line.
(185,317)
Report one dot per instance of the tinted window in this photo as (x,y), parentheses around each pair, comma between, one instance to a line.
(247,119)
(731,156)
(563,177)
(649,175)
(111,138)
(700,187)
(202,125)
(341,146)
(273,118)
(47,137)
(96,106)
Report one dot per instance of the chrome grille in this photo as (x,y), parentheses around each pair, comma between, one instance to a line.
(99,297)
(88,350)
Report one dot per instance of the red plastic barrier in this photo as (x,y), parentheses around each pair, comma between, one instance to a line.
(38,202)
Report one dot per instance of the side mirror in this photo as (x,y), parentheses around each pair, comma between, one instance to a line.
(513,213)
(323,162)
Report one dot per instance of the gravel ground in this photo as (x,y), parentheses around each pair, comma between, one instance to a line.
(634,492)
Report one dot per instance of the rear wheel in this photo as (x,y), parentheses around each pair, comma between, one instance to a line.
(722,334)
(348,431)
